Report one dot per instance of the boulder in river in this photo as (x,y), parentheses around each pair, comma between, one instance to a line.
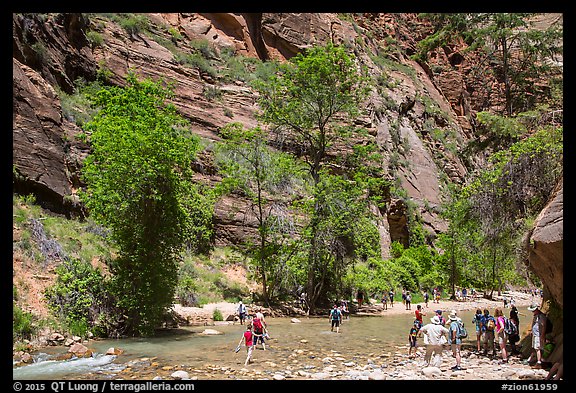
(211,331)
(80,350)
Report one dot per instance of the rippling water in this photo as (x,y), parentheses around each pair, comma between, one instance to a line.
(359,336)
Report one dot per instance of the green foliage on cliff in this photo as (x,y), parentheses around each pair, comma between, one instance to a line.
(312,99)
(487,217)
(261,174)
(519,52)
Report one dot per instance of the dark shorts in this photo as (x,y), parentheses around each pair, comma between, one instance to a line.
(257,338)
(335,322)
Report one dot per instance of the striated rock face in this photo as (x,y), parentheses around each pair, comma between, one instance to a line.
(51,51)
(546,260)
(546,253)
(43,151)
(402,116)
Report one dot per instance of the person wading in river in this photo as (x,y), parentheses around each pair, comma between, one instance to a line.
(335,319)
(241,313)
(248,342)
(259,330)
(419,313)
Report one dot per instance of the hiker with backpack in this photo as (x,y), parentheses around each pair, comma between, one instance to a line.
(500,329)
(477,321)
(259,330)
(335,319)
(513,333)
(488,325)
(455,336)
(441,318)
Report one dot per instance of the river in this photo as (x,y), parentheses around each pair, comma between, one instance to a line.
(360,336)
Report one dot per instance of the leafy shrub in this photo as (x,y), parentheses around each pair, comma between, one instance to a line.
(22,324)
(77,295)
(94,38)
(217,315)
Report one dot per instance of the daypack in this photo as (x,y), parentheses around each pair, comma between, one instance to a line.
(461,331)
(335,314)
(490,324)
(510,327)
(257,323)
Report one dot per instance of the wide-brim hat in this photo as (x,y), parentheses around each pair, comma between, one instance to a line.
(435,320)
(452,315)
(533,307)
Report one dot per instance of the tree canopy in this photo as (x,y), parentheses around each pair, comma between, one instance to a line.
(139,179)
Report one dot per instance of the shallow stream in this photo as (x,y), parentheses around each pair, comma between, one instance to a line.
(359,336)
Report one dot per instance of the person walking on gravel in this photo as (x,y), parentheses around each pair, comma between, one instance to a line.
(435,337)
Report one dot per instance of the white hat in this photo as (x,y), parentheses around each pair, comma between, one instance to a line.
(435,320)
(452,315)
(533,307)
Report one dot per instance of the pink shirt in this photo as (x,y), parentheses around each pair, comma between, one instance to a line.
(499,324)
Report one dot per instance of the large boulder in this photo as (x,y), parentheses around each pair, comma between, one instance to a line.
(545,246)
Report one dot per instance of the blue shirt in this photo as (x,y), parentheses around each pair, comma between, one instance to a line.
(454,328)
(485,320)
(478,321)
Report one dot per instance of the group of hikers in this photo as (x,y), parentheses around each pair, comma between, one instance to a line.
(491,331)
(256,331)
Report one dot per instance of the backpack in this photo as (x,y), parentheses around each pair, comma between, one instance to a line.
(510,327)
(335,314)
(461,331)
(490,324)
(549,326)
(257,325)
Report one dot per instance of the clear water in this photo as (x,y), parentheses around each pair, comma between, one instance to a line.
(359,336)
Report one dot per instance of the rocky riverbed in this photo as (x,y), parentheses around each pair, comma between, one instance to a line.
(303,364)
(299,360)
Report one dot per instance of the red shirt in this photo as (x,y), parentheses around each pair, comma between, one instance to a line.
(418,315)
(248,338)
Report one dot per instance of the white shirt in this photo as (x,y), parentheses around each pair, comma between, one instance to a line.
(433,334)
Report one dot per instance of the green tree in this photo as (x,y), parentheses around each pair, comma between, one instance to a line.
(516,186)
(262,174)
(139,184)
(313,99)
(521,52)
